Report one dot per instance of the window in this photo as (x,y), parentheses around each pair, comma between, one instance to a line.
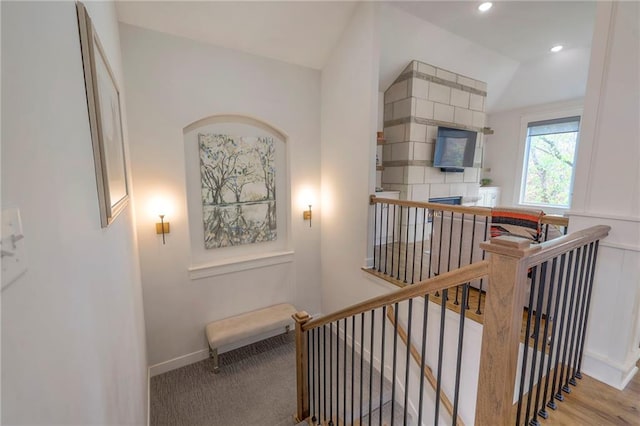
(549,160)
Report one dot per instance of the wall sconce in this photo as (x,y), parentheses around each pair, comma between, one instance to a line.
(162,227)
(306,215)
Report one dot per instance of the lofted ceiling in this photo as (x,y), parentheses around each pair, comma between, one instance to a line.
(514,36)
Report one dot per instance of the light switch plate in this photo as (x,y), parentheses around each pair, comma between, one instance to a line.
(14,258)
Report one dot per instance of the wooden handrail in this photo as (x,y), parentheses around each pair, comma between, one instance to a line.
(470,210)
(428,373)
(441,282)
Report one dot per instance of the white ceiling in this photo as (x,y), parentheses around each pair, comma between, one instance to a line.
(505,42)
(520,30)
(298,32)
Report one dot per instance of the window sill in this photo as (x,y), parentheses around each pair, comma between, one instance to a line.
(238,264)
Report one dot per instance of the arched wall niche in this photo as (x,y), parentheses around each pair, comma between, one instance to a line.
(221,260)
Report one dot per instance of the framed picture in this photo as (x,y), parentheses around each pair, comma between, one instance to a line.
(103,101)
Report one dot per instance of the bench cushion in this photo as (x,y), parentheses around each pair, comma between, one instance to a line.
(233,329)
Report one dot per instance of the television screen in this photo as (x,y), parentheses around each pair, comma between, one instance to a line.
(455,149)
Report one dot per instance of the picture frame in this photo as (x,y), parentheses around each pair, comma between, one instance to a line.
(105,120)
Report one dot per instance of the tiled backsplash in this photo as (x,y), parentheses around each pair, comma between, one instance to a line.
(422,98)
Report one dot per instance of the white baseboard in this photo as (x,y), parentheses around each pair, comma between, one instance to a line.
(178,362)
(608,371)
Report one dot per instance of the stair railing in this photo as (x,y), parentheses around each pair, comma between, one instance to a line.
(559,275)
(331,351)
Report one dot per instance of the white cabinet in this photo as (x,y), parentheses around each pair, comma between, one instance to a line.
(489,196)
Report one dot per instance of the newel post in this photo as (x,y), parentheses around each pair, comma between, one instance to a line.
(302,397)
(504,302)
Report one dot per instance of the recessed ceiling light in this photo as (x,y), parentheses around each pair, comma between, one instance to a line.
(556,49)
(485,6)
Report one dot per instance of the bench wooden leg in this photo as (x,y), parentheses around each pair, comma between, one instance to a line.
(213,353)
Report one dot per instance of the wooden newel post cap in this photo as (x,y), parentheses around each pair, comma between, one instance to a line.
(511,246)
(301,317)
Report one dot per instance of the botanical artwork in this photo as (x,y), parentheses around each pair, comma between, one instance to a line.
(238,189)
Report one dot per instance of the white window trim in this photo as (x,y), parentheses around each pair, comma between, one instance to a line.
(522,145)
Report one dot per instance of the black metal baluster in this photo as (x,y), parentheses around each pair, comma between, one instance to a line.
(395,359)
(437,293)
(344,374)
(455,302)
(582,321)
(393,240)
(324,372)
(443,312)
(576,325)
(486,228)
(415,243)
(338,372)
(432,216)
(310,373)
(542,280)
(557,376)
(406,245)
(407,365)
(380,246)
(473,244)
(540,409)
(586,318)
(382,337)
(353,361)
(361,359)
(456,394)
(527,333)
(375,233)
(331,374)
(371,365)
(570,321)
(424,225)
(425,315)
(397,276)
(386,241)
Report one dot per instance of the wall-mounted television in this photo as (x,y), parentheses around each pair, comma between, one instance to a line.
(455,149)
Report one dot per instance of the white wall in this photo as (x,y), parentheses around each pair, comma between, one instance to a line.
(349,122)
(502,150)
(172,82)
(73,345)
(404,37)
(607,191)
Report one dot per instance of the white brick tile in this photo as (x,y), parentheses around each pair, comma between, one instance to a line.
(394,133)
(403,108)
(458,189)
(466,81)
(476,102)
(426,69)
(454,178)
(420,151)
(417,132)
(443,112)
(396,92)
(393,175)
(481,85)
(478,119)
(420,192)
(439,190)
(446,75)
(439,93)
(433,175)
(419,88)
(459,98)
(386,152)
(462,116)
(424,108)
(471,175)
(401,151)
(432,133)
(388,112)
(430,150)
(415,174)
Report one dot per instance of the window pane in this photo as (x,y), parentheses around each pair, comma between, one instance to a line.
(549,163)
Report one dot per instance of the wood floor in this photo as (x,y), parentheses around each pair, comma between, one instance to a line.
(595,403)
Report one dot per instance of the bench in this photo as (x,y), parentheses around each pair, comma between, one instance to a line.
(234,329)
